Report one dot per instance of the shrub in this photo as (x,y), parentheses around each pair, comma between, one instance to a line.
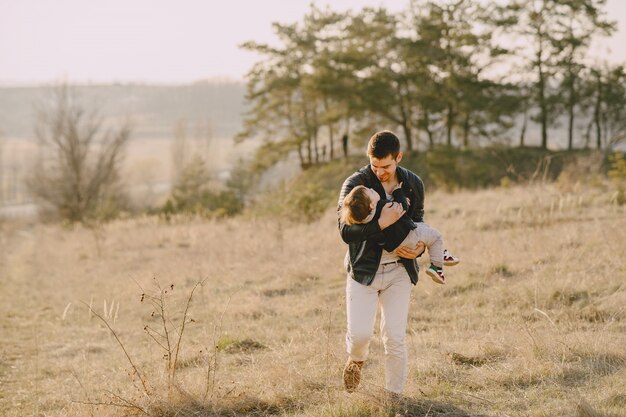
(192,195)
(617,173)
(307,202)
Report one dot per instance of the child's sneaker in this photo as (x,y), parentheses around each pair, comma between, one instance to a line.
(436,274)
(448,259)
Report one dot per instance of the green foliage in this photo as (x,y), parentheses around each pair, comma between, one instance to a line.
(617,167)
(617,173)
(229,344)
(307,196)
(307,202)
(334,69)
(192,195)
(242,180)
(291,92)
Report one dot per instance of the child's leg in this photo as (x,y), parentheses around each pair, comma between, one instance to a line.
(433,240)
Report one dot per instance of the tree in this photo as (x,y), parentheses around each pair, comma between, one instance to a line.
(329,82)
(78,172)
(382,76)
(578,23)
(535,21)
(610,116)
(288,107)
(192,194)
(603,89)
(454,48)
(179,150)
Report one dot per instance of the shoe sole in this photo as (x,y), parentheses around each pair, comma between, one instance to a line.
(435,277)
(451,263)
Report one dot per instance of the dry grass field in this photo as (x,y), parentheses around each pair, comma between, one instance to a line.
(531,323)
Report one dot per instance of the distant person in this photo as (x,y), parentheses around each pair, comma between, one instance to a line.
(344,143)
(363,205)
(377,276)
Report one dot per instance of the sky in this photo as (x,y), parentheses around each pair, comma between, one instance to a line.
(165,41)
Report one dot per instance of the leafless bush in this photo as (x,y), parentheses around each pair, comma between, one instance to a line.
(168,335)
(77,176)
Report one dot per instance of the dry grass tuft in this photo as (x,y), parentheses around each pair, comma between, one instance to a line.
(378,403)
(230,345)
(240,406)
(570,296)
(464,288)
(617,400)
(460,359)
(584,409)
(502,270)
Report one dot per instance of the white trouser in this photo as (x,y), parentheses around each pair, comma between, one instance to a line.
(391,289)
(431,237)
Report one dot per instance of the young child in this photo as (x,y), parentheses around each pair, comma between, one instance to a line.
(363,205)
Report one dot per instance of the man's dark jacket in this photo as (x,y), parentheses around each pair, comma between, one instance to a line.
(366,241)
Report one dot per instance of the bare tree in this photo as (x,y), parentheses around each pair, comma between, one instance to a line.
(204,136)
(77,174)
(180,150)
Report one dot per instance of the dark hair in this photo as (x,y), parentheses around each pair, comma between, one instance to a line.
(382,144)
(356,206)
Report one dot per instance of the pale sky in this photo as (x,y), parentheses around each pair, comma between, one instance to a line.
(163,41)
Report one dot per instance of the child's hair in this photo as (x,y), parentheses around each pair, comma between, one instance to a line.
(356,206)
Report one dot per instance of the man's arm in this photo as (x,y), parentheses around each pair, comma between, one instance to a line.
(411,253)
(418,205)
(416,186)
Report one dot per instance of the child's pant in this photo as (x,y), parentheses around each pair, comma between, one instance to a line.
(431,237)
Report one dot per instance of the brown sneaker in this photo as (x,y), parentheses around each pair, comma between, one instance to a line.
(352,375)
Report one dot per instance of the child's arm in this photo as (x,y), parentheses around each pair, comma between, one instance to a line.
(400,197)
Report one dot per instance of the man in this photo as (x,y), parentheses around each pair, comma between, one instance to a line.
(376,276)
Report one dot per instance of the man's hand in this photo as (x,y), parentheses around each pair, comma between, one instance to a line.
(390,214)
(411,253)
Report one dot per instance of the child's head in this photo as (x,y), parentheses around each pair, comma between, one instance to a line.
(358,205)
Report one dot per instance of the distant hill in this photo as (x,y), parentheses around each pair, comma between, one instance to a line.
(155,109)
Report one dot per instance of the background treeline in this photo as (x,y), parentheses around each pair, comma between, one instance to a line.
(462,74)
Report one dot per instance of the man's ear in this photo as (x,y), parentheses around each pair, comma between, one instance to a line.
(399,157)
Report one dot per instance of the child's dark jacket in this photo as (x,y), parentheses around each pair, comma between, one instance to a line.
(403,226)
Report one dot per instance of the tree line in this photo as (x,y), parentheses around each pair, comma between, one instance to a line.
(460,73)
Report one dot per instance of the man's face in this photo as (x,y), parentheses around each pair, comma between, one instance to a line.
(385,169)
